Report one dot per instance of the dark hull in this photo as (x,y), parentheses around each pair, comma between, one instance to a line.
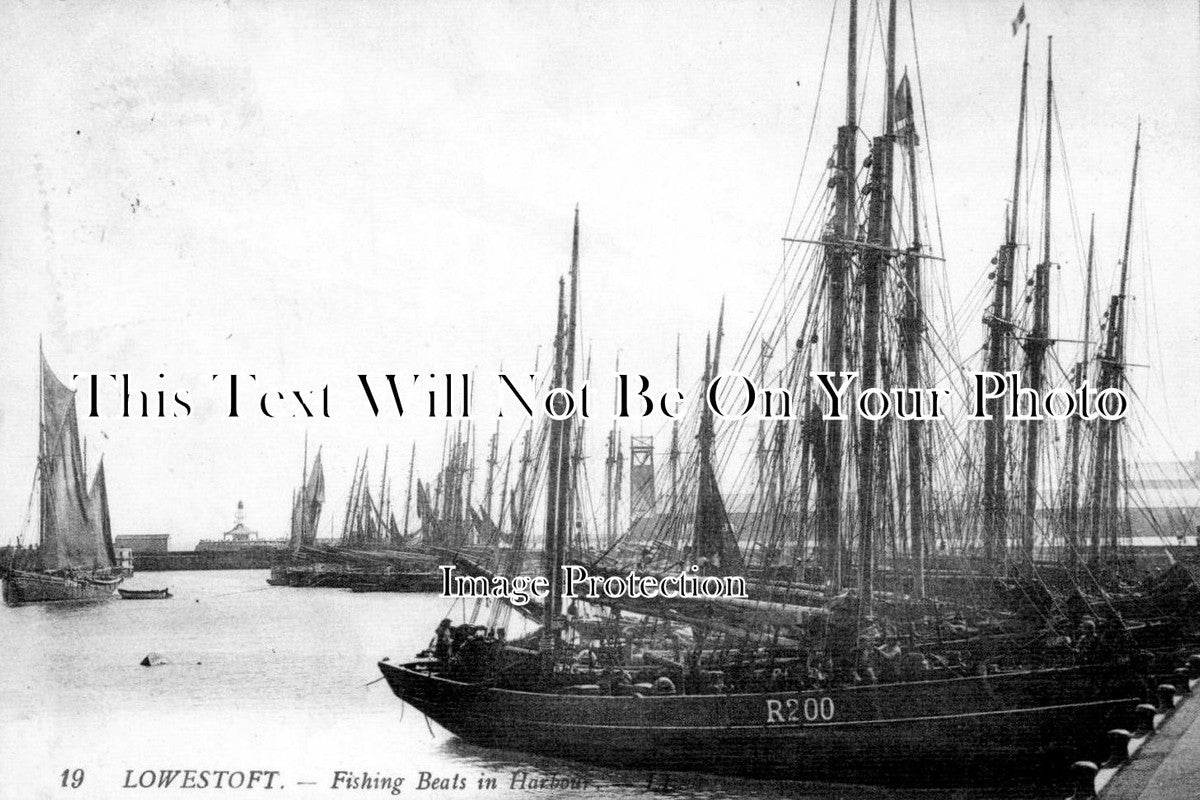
(313,577)
(1016,727)
(144,594)
(21,588)
(336,577)
(406,582)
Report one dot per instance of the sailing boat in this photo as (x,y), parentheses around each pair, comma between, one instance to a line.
(306,510)
(76,556)
(783,703)
(949,729)
(307,503)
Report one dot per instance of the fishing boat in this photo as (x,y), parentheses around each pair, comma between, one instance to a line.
(936,727)
(894,659)
(75,558)
(951,731)
(307,503)
(145,594)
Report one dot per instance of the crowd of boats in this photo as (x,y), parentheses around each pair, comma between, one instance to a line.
(939,604)
(928,604)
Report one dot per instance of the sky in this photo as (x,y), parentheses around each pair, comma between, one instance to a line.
(313,190)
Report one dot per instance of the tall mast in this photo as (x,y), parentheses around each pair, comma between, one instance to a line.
(43,497)
(553,499)
(716,370)
(1074,430)
(999,322)
(383,494)
(673,457)
(522,490)
(500,514)
(1087,304)
(1106,469)
(350,502)
(303,484)
(489,486)
(873,273)
(610,460)
(469,466)
(706,432)
(1037,342)
(912,329)
(761,449)
(1137,149)
(838,257)
(559,511)
(412,460)
(712,360)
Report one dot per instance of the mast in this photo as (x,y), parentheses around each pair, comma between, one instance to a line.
(842,232)
(383,496)
(554,489)
(503,495)
(44,498)
(1037,342)
(912,328)
(708,524)
(761,449)
(704,440)
(558,500)
(469,466)
(303,485)
(412,460)
(1107,469)
(999,322)
(673,459)
(873,273)
(1074,429)
(610,487)
(519,509)
(350,502)
(489,485)
(716,369)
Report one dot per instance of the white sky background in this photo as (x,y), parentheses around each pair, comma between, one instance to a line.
(311,190)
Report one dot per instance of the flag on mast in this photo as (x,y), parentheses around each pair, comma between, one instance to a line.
(1017,20)
(906,127)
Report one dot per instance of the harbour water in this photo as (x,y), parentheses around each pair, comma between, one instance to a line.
(273,679)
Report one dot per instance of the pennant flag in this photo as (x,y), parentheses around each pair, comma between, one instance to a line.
(906,127)
(1016,23)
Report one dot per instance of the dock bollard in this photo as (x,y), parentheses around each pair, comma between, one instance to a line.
(1118,747)
(1166,697)
(1145,714)
(1193,665)
(1083,775)
(1183,683)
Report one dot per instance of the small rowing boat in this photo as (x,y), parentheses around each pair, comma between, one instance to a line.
(144,594)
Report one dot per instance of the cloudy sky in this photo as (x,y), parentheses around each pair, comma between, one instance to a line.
(310,190)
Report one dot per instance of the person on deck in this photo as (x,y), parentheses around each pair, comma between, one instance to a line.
(888,657)
(443,641)
(1088,642)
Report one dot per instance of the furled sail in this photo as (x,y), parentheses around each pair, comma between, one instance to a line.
(73,526)
(306,511)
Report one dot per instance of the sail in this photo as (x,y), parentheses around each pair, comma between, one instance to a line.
(714,539)
(72,533)
(98,510)
(297,535)
(306,510)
